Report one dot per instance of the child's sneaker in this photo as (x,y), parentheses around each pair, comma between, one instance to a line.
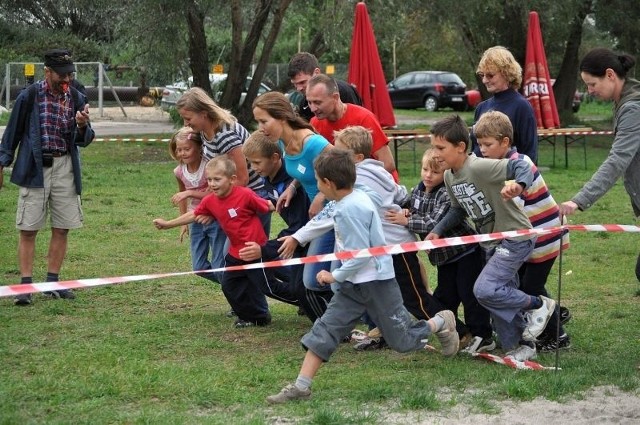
(550,344)
(370,344)
(22,299)
(565,315)
(448,336)
(536,320)
(480,345)
(522,353)
(289,393)
(65,294)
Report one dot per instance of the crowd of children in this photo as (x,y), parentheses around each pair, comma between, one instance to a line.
(334,197)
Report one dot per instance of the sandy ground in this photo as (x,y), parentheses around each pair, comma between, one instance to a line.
(601,405)
(134,113)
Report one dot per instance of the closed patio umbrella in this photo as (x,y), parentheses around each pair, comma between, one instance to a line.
(537,81)
(365,69)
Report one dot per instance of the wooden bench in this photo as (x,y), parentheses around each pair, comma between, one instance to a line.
(569,135)
(402,137)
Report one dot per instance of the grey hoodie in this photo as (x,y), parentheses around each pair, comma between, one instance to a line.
(373,179)
(624,156)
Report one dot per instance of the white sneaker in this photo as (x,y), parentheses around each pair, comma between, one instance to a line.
(536,320)
(480,345)
(522,353)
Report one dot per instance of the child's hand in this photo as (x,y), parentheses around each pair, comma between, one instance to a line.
(510,190)
(432,236)
(325,278)
(160,223)
(397,217)
(204,219)
(184,232)
(284,199)
(179,197)
(251,251)
(288,247)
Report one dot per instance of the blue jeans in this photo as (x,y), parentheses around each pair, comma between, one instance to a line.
(205,239)
(321,245)
(497,289)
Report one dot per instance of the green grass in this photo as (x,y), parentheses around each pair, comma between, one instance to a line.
(162,351)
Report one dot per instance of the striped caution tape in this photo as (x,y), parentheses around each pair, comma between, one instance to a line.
(12,290)
(512,363)
(120,139)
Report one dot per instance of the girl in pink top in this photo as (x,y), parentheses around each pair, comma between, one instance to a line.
(186,148)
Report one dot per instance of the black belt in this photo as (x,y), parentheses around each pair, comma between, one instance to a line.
(55,154)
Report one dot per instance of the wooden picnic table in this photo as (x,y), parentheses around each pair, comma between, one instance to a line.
(569,136)
(403,137)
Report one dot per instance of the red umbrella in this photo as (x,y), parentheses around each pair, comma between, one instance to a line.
(365,69)
(537,82)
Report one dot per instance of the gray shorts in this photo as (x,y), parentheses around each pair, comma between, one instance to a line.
(58,198)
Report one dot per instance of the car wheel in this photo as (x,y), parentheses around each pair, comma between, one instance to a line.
(431,104)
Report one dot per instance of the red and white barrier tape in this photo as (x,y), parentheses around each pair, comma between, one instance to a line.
(120,139)
(574,133)
(410,137)
(512,363)
(11,290)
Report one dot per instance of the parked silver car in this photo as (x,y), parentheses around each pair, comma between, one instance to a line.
(173,92)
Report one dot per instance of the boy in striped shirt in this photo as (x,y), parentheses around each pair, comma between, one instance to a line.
(494,133)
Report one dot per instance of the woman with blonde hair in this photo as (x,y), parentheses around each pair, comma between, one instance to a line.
(221,134)
(502,76)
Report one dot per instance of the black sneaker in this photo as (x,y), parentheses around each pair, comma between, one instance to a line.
(65,294)
(231,314)
(371,344)
(240,324)
(565,315)
(548,345)
(22,299)
(480,345)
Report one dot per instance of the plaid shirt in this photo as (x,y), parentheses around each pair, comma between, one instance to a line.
(427,209)
(57,118)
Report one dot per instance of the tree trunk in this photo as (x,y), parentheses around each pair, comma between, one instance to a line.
(565,85)
(242,53)
(245,111)
(198,47)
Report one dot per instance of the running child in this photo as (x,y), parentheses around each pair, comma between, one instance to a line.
(236,209)
(494,133)
(458,266)
(360,284)
(480,188)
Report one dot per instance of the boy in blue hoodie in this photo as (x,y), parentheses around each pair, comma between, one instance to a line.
(360,284)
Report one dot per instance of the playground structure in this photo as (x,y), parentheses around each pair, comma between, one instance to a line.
(93,75)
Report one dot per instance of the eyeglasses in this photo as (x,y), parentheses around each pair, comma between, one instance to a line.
(488,75)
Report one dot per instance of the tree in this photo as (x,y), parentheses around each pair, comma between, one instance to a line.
(243,52)
(565,85)
(620,18)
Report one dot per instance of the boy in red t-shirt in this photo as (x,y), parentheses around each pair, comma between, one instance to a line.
(236,209)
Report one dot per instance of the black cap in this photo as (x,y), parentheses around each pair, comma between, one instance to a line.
(59,60)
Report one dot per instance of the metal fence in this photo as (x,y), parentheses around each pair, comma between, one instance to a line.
(125,86)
